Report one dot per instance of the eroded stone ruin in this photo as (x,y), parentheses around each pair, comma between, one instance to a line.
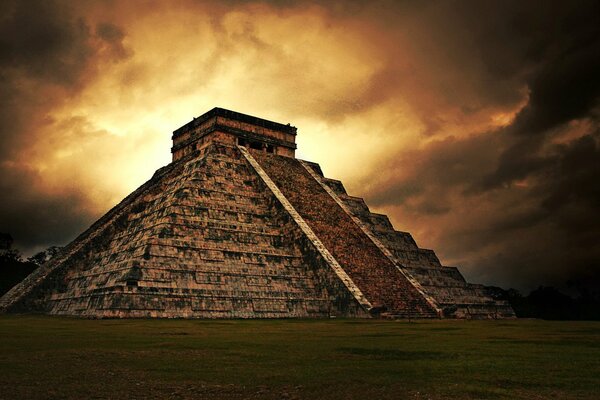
(237,227)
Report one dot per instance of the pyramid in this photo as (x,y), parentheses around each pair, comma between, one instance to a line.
(237,227)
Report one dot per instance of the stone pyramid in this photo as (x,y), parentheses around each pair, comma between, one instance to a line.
(237,227)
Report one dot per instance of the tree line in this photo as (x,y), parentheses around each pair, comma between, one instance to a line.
(547,302)
(13,268)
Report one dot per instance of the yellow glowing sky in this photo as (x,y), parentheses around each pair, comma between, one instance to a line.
(293,66)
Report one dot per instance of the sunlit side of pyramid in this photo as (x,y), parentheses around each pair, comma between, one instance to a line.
(237,227)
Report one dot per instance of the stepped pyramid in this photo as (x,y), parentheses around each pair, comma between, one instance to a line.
(237,227)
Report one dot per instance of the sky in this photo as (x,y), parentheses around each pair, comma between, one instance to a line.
(473,125)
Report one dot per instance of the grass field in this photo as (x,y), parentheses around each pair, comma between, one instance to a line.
(45,357)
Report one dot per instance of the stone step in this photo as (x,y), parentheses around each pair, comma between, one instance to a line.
(336,186)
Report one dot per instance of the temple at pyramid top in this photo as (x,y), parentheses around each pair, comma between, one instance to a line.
(234,128)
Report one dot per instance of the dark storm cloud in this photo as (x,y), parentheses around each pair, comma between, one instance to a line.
(565,88)
(481,53)
(37,218)
(545,231)
(41,40)
(113,35)
(47,54)
(539,193)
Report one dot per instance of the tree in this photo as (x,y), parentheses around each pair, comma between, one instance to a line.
(10,255)
(44,256)
(12,269)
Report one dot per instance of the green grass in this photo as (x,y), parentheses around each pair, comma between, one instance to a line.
(48,357)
